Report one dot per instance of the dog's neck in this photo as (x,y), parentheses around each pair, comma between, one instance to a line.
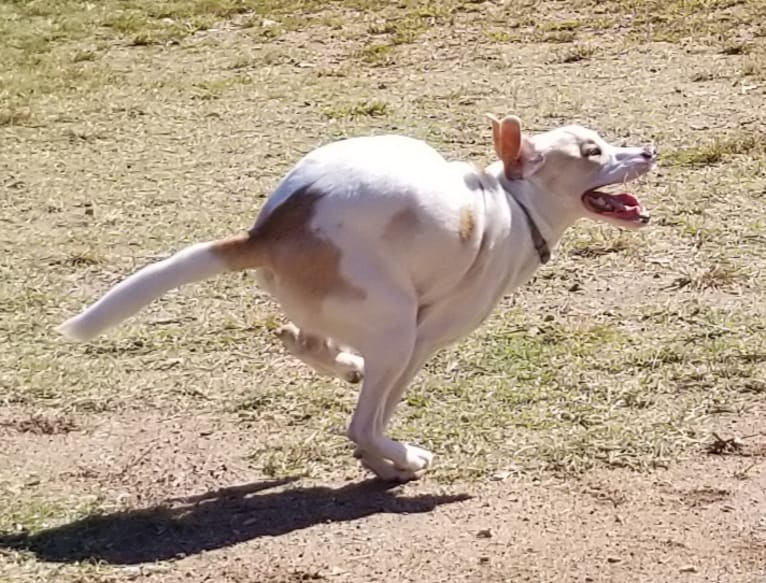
(541,245)
(550,215)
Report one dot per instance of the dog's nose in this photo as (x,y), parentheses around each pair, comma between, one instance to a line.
(650,152)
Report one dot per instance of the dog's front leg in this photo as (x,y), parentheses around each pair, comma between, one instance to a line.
(384,373)
(422,352)
(432,325)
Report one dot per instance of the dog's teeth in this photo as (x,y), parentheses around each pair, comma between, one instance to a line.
(605,203)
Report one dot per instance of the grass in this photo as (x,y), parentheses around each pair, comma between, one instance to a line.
(43,424)
(215,88)
(14,116)
(719,150)
(377,54)
(130,129)
(569,418)
(736,49)
(755,67)
(363,109)
(716,276)
(576,54)
(601,242)
(32,510)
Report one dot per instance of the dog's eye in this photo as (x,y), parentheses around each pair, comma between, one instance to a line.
(591,151)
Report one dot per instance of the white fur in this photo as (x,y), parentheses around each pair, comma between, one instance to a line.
(192,264)
(421,293)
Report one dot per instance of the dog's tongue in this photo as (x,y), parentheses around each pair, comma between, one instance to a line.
(626,199)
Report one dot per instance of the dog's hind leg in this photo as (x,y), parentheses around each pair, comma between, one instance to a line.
(321,354)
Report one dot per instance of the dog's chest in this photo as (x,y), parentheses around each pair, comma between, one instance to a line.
(462,310)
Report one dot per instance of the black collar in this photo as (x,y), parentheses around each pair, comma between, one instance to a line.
(541,246)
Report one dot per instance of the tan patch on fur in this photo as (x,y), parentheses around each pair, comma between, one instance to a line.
(467,224)
(298,254)
(403,226)
(239,252)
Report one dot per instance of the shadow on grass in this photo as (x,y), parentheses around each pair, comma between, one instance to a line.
(186,526)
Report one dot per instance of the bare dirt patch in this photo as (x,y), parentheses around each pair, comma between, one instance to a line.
(699,517)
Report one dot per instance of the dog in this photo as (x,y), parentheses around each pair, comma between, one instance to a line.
(381,252)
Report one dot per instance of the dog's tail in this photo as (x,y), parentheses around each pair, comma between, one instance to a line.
(195,263)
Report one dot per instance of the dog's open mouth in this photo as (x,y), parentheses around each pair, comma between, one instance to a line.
(623,206)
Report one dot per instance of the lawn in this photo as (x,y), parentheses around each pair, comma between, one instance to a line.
(129,129)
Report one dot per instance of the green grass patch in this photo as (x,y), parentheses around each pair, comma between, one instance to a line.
(34,511)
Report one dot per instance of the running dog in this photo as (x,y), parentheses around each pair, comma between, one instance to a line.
(380,252)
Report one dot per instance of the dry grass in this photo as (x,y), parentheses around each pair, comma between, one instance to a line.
(743,144)
(42,424)
(132,128)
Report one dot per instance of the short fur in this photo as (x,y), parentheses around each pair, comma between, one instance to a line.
(380,252)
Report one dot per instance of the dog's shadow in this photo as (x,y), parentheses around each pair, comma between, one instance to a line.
(186,526)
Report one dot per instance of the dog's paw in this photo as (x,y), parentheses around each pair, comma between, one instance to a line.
(353,377)
(288,334)
(350,367)
(387,472)
(418,459)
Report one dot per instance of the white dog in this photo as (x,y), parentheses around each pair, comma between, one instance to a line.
(381,252)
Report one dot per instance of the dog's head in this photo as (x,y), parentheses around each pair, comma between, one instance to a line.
(573,164)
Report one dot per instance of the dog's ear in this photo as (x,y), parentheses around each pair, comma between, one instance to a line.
(506,134)
(517,154)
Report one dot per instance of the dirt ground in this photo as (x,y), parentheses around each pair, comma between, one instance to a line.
(192,511)
(608,422)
